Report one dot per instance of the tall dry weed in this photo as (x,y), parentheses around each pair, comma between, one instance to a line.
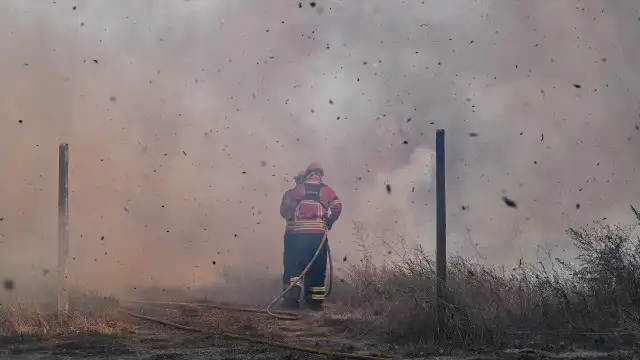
(492,306)
(88,313)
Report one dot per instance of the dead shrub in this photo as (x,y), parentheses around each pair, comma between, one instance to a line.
(491,306)
(89,314)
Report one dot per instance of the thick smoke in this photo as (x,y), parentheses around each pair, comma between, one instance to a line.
(187,120)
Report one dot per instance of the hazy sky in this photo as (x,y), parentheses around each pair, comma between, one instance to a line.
(187,119)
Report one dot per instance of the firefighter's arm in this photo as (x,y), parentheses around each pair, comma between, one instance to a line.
(335,205)
(285,204)
(289,201)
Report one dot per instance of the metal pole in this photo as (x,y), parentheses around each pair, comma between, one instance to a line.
(63,228)
(441,230)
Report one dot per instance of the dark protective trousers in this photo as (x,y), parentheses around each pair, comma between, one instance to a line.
(298,252)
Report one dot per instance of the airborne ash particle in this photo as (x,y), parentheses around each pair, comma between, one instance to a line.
(388,189)
(8,284)
(510,203)
(473,134)
(577,86)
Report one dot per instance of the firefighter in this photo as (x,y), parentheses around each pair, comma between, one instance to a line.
(311,209)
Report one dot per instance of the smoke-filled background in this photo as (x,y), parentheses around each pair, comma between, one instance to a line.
(187,120)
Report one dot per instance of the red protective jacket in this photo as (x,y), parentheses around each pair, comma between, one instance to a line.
(310,208)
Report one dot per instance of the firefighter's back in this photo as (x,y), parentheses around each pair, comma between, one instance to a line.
(311,212)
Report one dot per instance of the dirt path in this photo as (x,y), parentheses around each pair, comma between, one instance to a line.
(324,330)
(153,342)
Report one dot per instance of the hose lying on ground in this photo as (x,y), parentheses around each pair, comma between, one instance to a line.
(256,340)
(282,315)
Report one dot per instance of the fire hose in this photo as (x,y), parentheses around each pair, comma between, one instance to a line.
(282,315)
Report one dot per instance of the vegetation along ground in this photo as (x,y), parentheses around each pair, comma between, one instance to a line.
(551,309)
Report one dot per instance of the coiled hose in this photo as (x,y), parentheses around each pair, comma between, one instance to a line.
(282,315)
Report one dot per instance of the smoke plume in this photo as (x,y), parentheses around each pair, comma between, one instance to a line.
(187,120)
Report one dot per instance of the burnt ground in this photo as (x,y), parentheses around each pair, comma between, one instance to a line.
(330,330)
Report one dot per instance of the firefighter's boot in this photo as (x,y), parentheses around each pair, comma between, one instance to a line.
(292,298)
(315,298)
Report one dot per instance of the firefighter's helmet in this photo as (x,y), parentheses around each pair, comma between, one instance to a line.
(315,168)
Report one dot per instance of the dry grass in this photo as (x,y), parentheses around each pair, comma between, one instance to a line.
(492,307)
(89,314)
(548,303)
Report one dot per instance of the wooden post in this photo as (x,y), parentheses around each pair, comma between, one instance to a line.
(63,230)
(441,231)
